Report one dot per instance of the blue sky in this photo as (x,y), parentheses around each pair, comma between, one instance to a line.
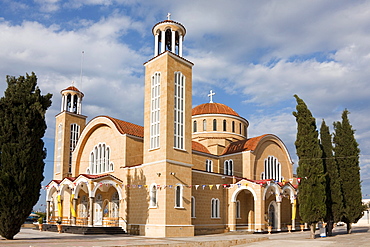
(254,54)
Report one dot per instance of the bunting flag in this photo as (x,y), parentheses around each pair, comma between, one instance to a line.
(218,186)
(210,186)
(196,186)
(203,186)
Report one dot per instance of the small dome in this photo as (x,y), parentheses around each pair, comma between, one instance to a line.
(213,108)
(72,88)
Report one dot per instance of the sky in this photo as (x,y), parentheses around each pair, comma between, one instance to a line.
(255,55)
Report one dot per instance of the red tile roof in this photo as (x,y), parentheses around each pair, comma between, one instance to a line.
(72,88)
(213,108)
(243,145)
(196,146)
(127,128)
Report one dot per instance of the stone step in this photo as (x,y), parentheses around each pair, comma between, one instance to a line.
(85,230)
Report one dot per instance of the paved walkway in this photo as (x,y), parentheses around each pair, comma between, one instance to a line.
(32,238)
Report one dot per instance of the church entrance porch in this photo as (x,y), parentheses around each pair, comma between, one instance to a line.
(94,201)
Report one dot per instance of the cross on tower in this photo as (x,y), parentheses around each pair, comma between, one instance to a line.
(211,93)
(169,16)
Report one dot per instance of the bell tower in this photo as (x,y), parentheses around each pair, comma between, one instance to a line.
(167,132)
(69,124)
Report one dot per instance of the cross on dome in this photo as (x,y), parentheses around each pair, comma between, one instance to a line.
(169,16)
(210,95)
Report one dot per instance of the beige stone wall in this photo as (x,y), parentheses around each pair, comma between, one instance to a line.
(268,148)
(66,119)
(203,222)
(167,65)
(239,130)
(124,150)
(237,162)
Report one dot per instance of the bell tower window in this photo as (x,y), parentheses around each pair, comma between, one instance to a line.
(179,111)
(155,110)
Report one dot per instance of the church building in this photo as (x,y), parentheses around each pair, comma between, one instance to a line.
(187,171)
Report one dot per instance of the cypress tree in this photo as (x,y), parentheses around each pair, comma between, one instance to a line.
(347,157)
(312,196)
(334,198)
(22,125)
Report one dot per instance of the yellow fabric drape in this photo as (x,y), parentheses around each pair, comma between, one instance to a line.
(294,209)
(59,206)
(73,211)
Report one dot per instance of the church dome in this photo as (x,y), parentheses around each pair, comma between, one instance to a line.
(213,108)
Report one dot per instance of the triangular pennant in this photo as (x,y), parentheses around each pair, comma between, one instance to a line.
(218,186)
(210,186)
(196,186)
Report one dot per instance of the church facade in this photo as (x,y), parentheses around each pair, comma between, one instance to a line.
(187,171)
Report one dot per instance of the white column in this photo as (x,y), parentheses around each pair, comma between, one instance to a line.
(62,105)
(47,211)
(173,41)
(72,103)
(78,104)
(180,45)
(278,216)
(91,211)
(156,44)
(163,43)
(65,102)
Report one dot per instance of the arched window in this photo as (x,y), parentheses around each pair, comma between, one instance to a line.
(204,125)
(229,167)
(224,125)
(195,126)
(59,148)
(100,159)
(178,196)
(153,196)
(237,209)
(233,126)
(209,165)
(272,169)
(155,110)
(214,124)
(215,208)
(179,113)
(192,207)
(74,134)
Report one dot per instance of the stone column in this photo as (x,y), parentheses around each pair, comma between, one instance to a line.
(74,205)
(180,45)
(156,45)
(62,105)
(293,219)
(78,104)
(72,103)
(232,216)
(163,43)
(173,41)
(47,211)
(91,211)
(278,216)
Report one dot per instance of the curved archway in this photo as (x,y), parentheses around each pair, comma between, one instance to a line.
(243,208)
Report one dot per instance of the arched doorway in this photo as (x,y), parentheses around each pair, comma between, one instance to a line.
(272,215)
(244,209)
